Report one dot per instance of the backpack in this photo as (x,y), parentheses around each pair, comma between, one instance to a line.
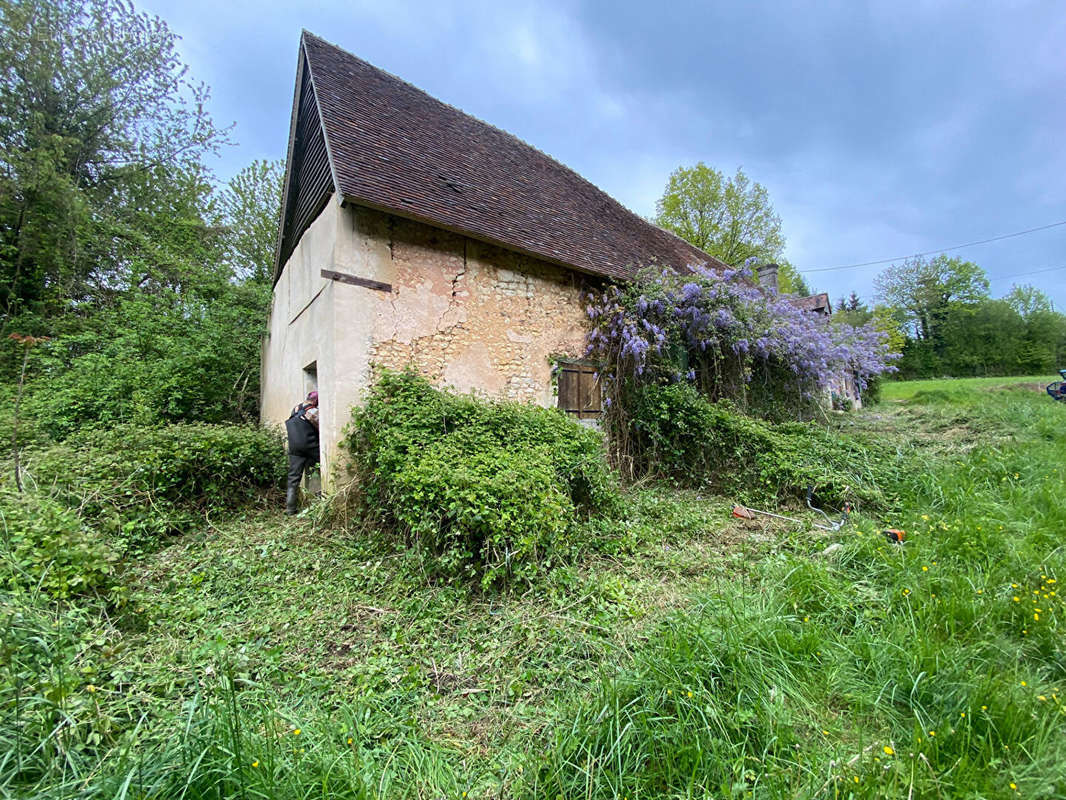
(303,436)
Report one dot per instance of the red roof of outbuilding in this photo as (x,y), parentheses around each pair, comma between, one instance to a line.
(813,302)
(394,148)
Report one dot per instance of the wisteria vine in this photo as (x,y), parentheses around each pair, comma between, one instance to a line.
(729,338)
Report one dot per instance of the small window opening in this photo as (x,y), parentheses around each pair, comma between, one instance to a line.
(579,390)
(311,378)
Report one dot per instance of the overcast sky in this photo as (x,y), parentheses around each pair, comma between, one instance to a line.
(880,129)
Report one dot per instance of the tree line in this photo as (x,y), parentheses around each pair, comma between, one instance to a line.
(952,326)
(143,282)
(937,312)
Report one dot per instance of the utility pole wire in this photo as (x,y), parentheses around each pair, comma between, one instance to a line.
(1023,274)
(937,251)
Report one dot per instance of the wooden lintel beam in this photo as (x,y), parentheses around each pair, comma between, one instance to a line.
(329,274)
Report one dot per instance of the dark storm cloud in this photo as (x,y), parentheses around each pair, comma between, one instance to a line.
(879,128)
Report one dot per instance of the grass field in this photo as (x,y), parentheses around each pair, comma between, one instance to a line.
(263,657)
(902,390)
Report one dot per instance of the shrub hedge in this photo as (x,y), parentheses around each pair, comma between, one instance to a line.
(686,438)
(494,490)
(103,494)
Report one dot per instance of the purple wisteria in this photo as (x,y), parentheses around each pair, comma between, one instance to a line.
(728,337)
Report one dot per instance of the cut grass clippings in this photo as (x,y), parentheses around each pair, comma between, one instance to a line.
(707,657)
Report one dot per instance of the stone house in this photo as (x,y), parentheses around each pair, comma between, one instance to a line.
(414,234)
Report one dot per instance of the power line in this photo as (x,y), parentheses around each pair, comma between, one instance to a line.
(937,251)
(1023,274)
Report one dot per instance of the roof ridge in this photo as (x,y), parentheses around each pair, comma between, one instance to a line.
(506,133)
(395,147)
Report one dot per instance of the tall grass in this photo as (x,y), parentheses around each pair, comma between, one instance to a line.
(932,669)
(231,738)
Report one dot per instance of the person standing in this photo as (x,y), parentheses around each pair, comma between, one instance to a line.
(301,428)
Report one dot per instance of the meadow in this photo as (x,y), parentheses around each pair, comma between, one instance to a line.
(709,656)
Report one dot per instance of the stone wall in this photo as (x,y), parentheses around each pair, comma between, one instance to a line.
(476,317)
(463,313)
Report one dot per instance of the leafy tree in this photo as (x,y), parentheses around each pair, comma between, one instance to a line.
(789,280)
(730,218)
(885,320)
(925,289)
(96,119)
(250,210)
(853,311)
(151,283)
(1028,300)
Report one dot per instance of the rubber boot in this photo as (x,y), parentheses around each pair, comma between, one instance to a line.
(292,501)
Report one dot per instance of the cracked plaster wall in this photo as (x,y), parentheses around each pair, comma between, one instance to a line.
(463,313)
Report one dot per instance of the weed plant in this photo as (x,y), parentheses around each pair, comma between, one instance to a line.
(493,490)
(678,434)
(932,669)
(700,659)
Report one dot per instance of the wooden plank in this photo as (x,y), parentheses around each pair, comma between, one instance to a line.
(341,277)
(568,388)
(590,393)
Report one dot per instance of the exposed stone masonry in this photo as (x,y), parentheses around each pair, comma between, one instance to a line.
(476,317)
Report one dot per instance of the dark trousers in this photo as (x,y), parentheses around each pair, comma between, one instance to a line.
(298,465)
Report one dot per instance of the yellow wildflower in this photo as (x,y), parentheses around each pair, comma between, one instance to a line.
(888,750)
(932,734)
(255,763)
(295,731)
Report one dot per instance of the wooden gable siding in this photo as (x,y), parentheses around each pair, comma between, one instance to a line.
(311,179)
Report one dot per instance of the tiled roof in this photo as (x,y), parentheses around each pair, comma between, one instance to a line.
(814,302)
(393,147)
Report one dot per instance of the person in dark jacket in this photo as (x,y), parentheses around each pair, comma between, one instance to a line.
(302,430)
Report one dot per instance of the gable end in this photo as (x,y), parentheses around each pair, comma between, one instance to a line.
(308,175)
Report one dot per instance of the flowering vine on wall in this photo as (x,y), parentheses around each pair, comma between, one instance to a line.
(728,338)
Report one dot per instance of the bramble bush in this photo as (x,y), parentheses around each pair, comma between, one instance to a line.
(677,434)
(50,547)
(135,484)
(493,490)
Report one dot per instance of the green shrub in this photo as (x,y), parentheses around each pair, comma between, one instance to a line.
(50,547)
(682,436)
(135,484)
(491,489)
